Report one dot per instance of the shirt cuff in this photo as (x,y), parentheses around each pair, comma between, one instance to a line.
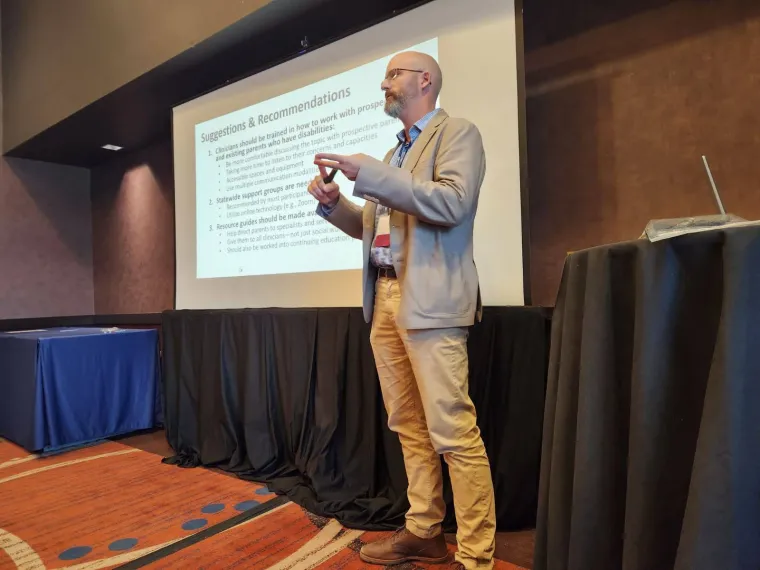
(327,210)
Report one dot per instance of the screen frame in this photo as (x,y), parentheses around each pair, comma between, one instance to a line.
(308,47)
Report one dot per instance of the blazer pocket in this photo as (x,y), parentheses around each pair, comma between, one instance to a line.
(443,292)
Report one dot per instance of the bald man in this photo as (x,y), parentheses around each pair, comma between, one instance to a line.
(421,293)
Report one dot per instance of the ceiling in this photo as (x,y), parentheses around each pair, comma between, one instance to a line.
(139,113)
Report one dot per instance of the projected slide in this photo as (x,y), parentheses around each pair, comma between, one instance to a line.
(246,232)
(254,215)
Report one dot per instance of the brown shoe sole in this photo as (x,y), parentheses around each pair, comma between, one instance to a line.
(380,562)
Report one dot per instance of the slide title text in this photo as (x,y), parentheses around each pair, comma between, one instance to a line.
(263,118)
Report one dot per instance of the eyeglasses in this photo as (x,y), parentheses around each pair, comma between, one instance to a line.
(395,72)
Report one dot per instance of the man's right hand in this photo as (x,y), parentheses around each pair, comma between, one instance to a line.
(327,194)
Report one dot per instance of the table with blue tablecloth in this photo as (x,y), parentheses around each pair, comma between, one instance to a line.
(64,387)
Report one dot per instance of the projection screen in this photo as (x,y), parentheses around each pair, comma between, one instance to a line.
(246,230)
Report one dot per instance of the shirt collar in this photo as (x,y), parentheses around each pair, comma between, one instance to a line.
(417,128)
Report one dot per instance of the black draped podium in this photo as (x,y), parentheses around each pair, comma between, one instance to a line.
(291,398)
(651,452)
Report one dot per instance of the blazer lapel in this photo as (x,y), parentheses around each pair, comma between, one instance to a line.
(414,154)
(390,153)
(411,160)
(370,207)
(368,213)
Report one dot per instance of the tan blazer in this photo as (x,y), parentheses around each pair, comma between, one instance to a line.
(433,200)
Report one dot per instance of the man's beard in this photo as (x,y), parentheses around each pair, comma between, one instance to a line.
(395,104)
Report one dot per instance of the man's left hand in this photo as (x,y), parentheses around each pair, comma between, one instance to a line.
(349,165)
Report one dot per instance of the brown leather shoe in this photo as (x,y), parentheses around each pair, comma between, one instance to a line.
(404,547)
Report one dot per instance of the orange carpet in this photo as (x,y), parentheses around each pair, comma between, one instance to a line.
(285,538)
(106,505)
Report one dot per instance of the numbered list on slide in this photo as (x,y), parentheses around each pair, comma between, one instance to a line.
(254,213)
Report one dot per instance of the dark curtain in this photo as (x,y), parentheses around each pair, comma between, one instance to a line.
(291,398)
(651,453)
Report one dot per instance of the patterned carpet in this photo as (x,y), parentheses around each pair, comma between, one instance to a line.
(111,504)
(105,505)
(286,538)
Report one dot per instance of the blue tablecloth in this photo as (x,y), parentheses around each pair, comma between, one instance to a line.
(64,387)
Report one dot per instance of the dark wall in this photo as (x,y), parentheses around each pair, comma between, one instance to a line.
(62,55)
(620,110)
(133,232)
(45,248)
(45,240)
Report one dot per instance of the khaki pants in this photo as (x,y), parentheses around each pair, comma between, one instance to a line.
(424,381)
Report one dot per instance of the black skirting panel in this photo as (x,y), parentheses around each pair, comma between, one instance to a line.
(291,398)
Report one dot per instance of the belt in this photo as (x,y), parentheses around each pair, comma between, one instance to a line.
(388,272)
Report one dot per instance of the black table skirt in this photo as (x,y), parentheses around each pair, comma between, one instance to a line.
(291,398)
(651,451)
